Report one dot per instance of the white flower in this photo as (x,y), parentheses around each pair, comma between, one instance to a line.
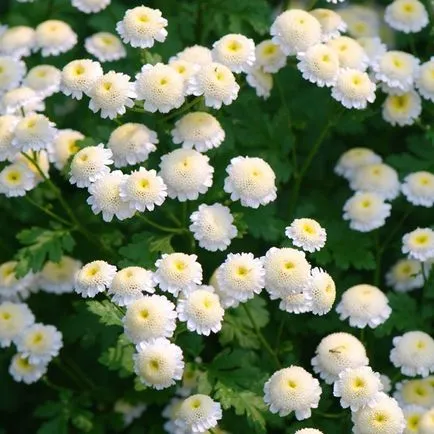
(21,99)
(386,382)
(335,353)
(111,94)
(185,69)
(309,431)
(353,89)
(364,305)
(158,363)
(373,47)
(261,81)
(354,158)
(79,76)
(332,24)
(418,188)
(143,190)
(22,370)
(426,424)
(170,412)
(178,272)
(131,143)
(40,343)
(300,302)
(90,164)
(241,276)
(292,389)
(408,16)
(105,46)
(358,387)
(269,57)
(197,414)
(105,197)
(142,26)
(90,6)
(195,54)
(396,70)
(402,109)
(307,234)
(250,180)
(319,64)
(33,133)
(295,30)
(419,244)
(350,53)
(128,411)
(424,80)
(16,180)
(17,41)
(321,292)
(12,72)
(44,80)
(212,226)
(366,211)
(405,275)
(416,392)
(226,300)
(385,417)
(41,159)
(361,20)
(201,310)
(286,272)
(198,130)
(150,317)
(59,277)
(413,415)
(63,147)
(160,87)
(54,37)
(187,173)
(413,353)
(129,284)
(14,319)
(94,278)
(216,83)
(7,126)
(11,287)
(235,51)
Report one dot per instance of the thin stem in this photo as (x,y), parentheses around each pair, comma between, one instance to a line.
(378,257)
(261,337)
(183,109)
(158,226)
(51,385)
(47,211)
(424,275)
(75,368)
(395,230)
(329,415)
(279,333)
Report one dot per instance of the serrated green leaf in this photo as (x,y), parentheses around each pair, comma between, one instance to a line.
(137,252)
(273,231)
(108,313)
(57,425)
(161,244)
(120,357)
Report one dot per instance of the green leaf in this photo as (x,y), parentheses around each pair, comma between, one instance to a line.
(272,231)
(161,244)
(58,425)
(120,357)
(108,313)
(137,252)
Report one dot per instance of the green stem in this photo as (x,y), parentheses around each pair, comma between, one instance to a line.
(378,257)
(183,109)
(279,333)
(47,211)
(80,374)
(329,415)
(261,338)
(311,5)
(158,226)
(51,385)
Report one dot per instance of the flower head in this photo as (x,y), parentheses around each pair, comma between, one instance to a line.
(14,319)
(408,16)
(419,244)
(12,72)
(105,46)
(424,80)
(418,188)
(269,57)
(17,41)
(16,180)
(261,81)
(33,133)
(332,24)
(21,99)
(195,54)
(54,37)
(7,126)
(417,392)
(354,158)
(90,6)
(59,277)
(307,234)
(94,278)
(22,370)
(402,109)
(350,53)
(321,292)
(405,275)
(63,147)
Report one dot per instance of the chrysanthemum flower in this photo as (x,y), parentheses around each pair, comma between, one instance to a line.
(261,81)
(7,126)
(16,180)
(187,173)
(12,72)
(373,47)
(350,53)
(142,26)
(158,363)
(12,288)
(17,41)
(41,159)
(54,37)
(386,382)
(269,57)
(300,302)
(59,277)
(63,147)
(235,51)
(150,317)
(131,143)
(419,244)
(332,24)
(413,415)
(408,16)
(402,109)
(337,352)
(33,133)
(292,389)
(128,411)
(417,392)
(405,275)
(322,292)
(424,80)
(14,319)
(307,234)
(93,278)
(413,353)
(22,370)
(354,158)
(361,20)
(195,54)
(21,99)
(426,424)
(44,80)
(309,431)
(105,46)
(90,6)
(418,188)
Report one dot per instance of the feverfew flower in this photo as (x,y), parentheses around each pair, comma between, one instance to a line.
(307,234)
(426,424)
(160,87)
(187,173)
(419,244)
(335,353)
(185,69)
(402,109)
(16,180)
(405,275)
(111,94)
(261,81)
(299,302)
(63,147)
(350,53)
(373,47)
(321,292)
(54,37)
(269,57)
(12,72)
(354,158)
(413,353)
(235,51)
(79,76)
(129,284)
(158,363)
(90,6)
(90,164)
(197,414)
(195,54)
(178,272)
(93,278)
(292,389)
(361,20)
(332,24)
(14,319)
(7,126)
(319,64)
(17,41)
(417,392)
(212,226)
(250,180)
(366,211)
(418,188)
(128,411)
(150,317)
(353,89)
(10,286)
(309,431)
(201,310)
(295,31)
(216,83)
(105,46)
(21,99)
(424,80)
(142,26)
(40,343)
(358,388)
(105,197)
(22,370)
(44,80)
(59,277)
(33,133)
(198,130)
(143,190)
(131,143)
(408,16)
(413,415)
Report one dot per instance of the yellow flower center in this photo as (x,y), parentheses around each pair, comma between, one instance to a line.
(154,365)
(107,86)
(38,338)
(92,271)
(234,46)
(144,313)
(242,271)
(288,265)
(195,403)
(358,383)
(422,239)
(180,266)
(269,50)
(292,384)
(6,316)
(79,70)
(413,422)
(13,177)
